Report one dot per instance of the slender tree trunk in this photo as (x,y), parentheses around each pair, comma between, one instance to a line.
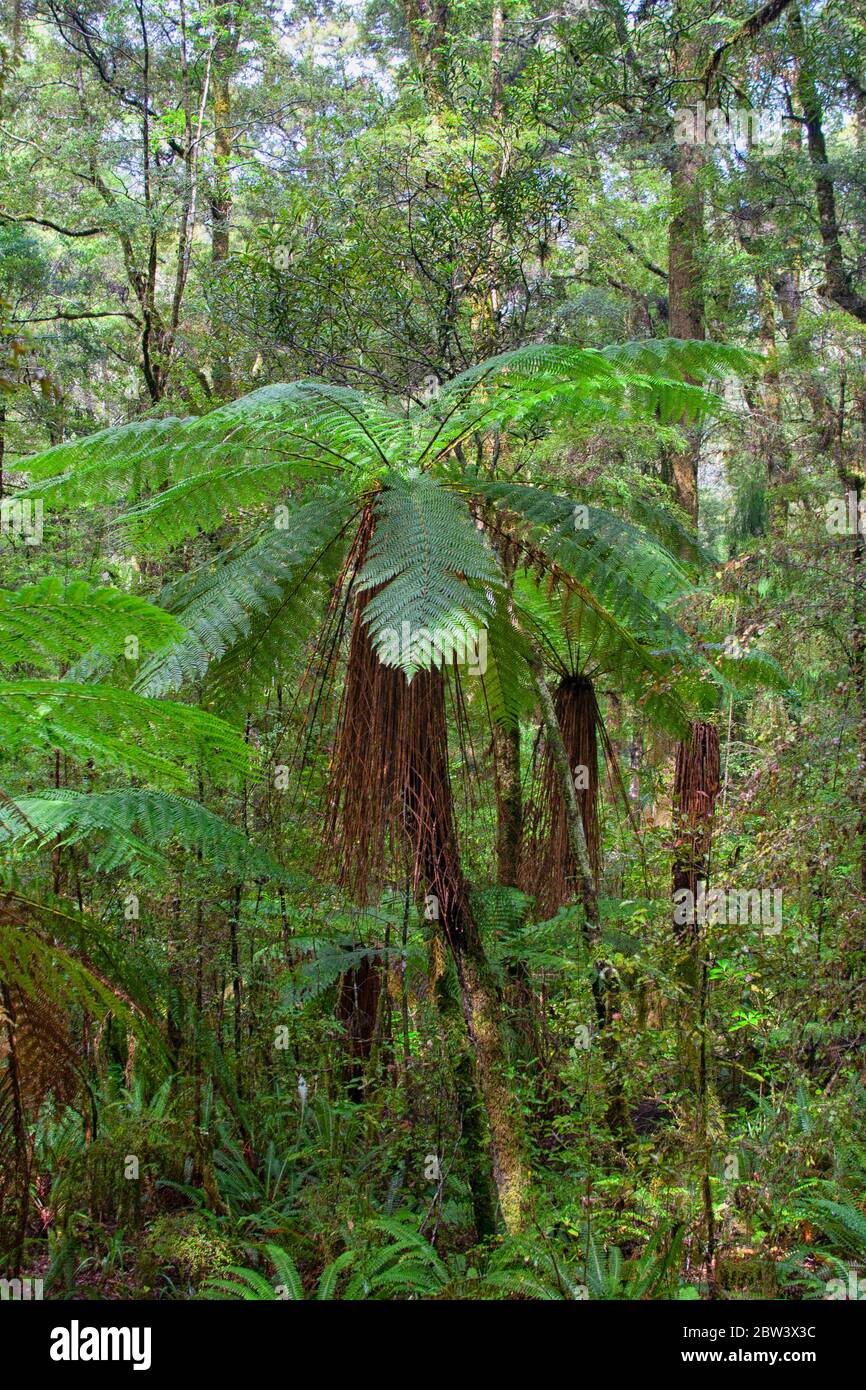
(509,804)
(772,443)
(429,824)
(19,1179)
(225,54)
(427,25)
(474,1140)
(838,284)
(685,296)
(696,788)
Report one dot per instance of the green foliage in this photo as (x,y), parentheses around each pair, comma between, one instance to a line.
(844,1226)
(133,827)
(408,361)
(117,728)
(428,568)
(247,613)
(52,623)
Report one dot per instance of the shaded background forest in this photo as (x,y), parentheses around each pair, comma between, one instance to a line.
(227,1046)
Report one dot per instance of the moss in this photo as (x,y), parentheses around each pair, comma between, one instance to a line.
(96,1180)
(185,1249)
(750,1276)
(483,1023)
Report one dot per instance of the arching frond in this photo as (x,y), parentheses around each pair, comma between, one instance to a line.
(246,613)
(122,460)
(564,526)
(581,637)
(430,572)
(51,623)
(272,435)
(156,738)
(693,358)
(132,826)
(506,681)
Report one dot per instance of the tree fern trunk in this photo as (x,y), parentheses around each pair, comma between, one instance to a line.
(429,823)
(604,982)
(390,784)
(15,1166)
(697,783)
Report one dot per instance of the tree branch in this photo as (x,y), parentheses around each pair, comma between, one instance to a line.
(55,226)
(72,314)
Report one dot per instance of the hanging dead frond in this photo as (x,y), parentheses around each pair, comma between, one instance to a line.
(548,870)
(390,792)
(390,802)
(37,1058)
(697,781)
(358,1003)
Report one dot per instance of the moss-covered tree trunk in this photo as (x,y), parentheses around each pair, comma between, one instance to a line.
(429,823)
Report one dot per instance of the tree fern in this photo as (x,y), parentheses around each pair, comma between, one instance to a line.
(432,575)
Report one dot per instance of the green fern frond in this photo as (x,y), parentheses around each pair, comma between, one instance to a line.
(843,1224)
(507,684)
(752,670)
(273,435)
(646,379)
(246,613)
(331,1273)
(50,951)
(692,358)
(431,573)
(564,526)
(139,827)
(121,460)
(49,623)
(239,1283)
(118,728)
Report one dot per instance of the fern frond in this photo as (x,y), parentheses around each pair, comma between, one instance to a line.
(332,1272)
(692,358)
(509,692)
(287,1271)
(285,431)
(752,670)
(117,461)
(49,623)
(430,572)
(246,613)
(51,952)
(564,526)
(117,728)
(843,1224)
(643,379)
(238,1282)
(139,827)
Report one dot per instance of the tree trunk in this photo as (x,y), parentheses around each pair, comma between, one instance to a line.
(429,824)
(225,53)
(390,783)
(427,25)
(685,296)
